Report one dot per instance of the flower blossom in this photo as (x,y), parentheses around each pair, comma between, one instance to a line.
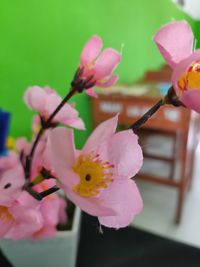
(52,209)
(45,101)
(11,178)
(22,218)
(175,42)
(98,178)
(99,66)
(19,217)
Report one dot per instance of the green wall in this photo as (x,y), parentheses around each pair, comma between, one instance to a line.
(41,42)
(197,33)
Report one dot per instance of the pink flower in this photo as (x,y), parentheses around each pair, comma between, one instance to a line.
(22,145)
(97,178)
(62,214)
(45,101)
(11,178)
(21,219)
(175,42)
(100,66)
(50,208)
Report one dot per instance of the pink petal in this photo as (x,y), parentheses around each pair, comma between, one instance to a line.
(27,221)
(123,151)
(76,123)
(26,200)
(91,92)
(67,115)
(34,98)
(125,199)
(61,147)
(102,132)
(175,41)
(191,99)
(15,179)
(107,83)
(27,218)
(23,145)
(45,232)
(50,210)
(49,90)
(37,162)
(47,159)
(91,205)
(106,63)
(9,161)
(62,215)
(6,221)
(67,112)
(91,50)
(182,67)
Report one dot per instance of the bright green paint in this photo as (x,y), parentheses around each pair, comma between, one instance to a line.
(41,42)
(197,33)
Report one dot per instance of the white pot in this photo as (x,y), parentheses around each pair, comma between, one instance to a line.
(59,251)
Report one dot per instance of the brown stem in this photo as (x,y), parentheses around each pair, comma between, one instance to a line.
(40,196)
(68,96)
(171,98)
(136,125)
(49,191)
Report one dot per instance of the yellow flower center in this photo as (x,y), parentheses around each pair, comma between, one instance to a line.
(5,214)
(190,79)
(93,175)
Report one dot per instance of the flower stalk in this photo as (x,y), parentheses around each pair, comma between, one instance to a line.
(171,99)
(139,123)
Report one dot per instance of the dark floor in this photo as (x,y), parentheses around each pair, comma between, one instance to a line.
(131,247)
(128,247)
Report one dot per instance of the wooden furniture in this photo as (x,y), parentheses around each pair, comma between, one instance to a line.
(177,123)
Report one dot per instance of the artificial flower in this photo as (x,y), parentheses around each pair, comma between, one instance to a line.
(18,214)
(11,178)
(175,42)
(99,66)
(51,208)
(22,217)
(45,101)
(98,178)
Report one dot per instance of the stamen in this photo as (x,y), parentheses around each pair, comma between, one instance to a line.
(93,174)
(190,79)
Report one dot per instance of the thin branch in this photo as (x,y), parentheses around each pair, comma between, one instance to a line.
(49,191)
(136,125)
(42,129)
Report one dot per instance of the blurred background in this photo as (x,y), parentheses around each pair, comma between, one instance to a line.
(41,42)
